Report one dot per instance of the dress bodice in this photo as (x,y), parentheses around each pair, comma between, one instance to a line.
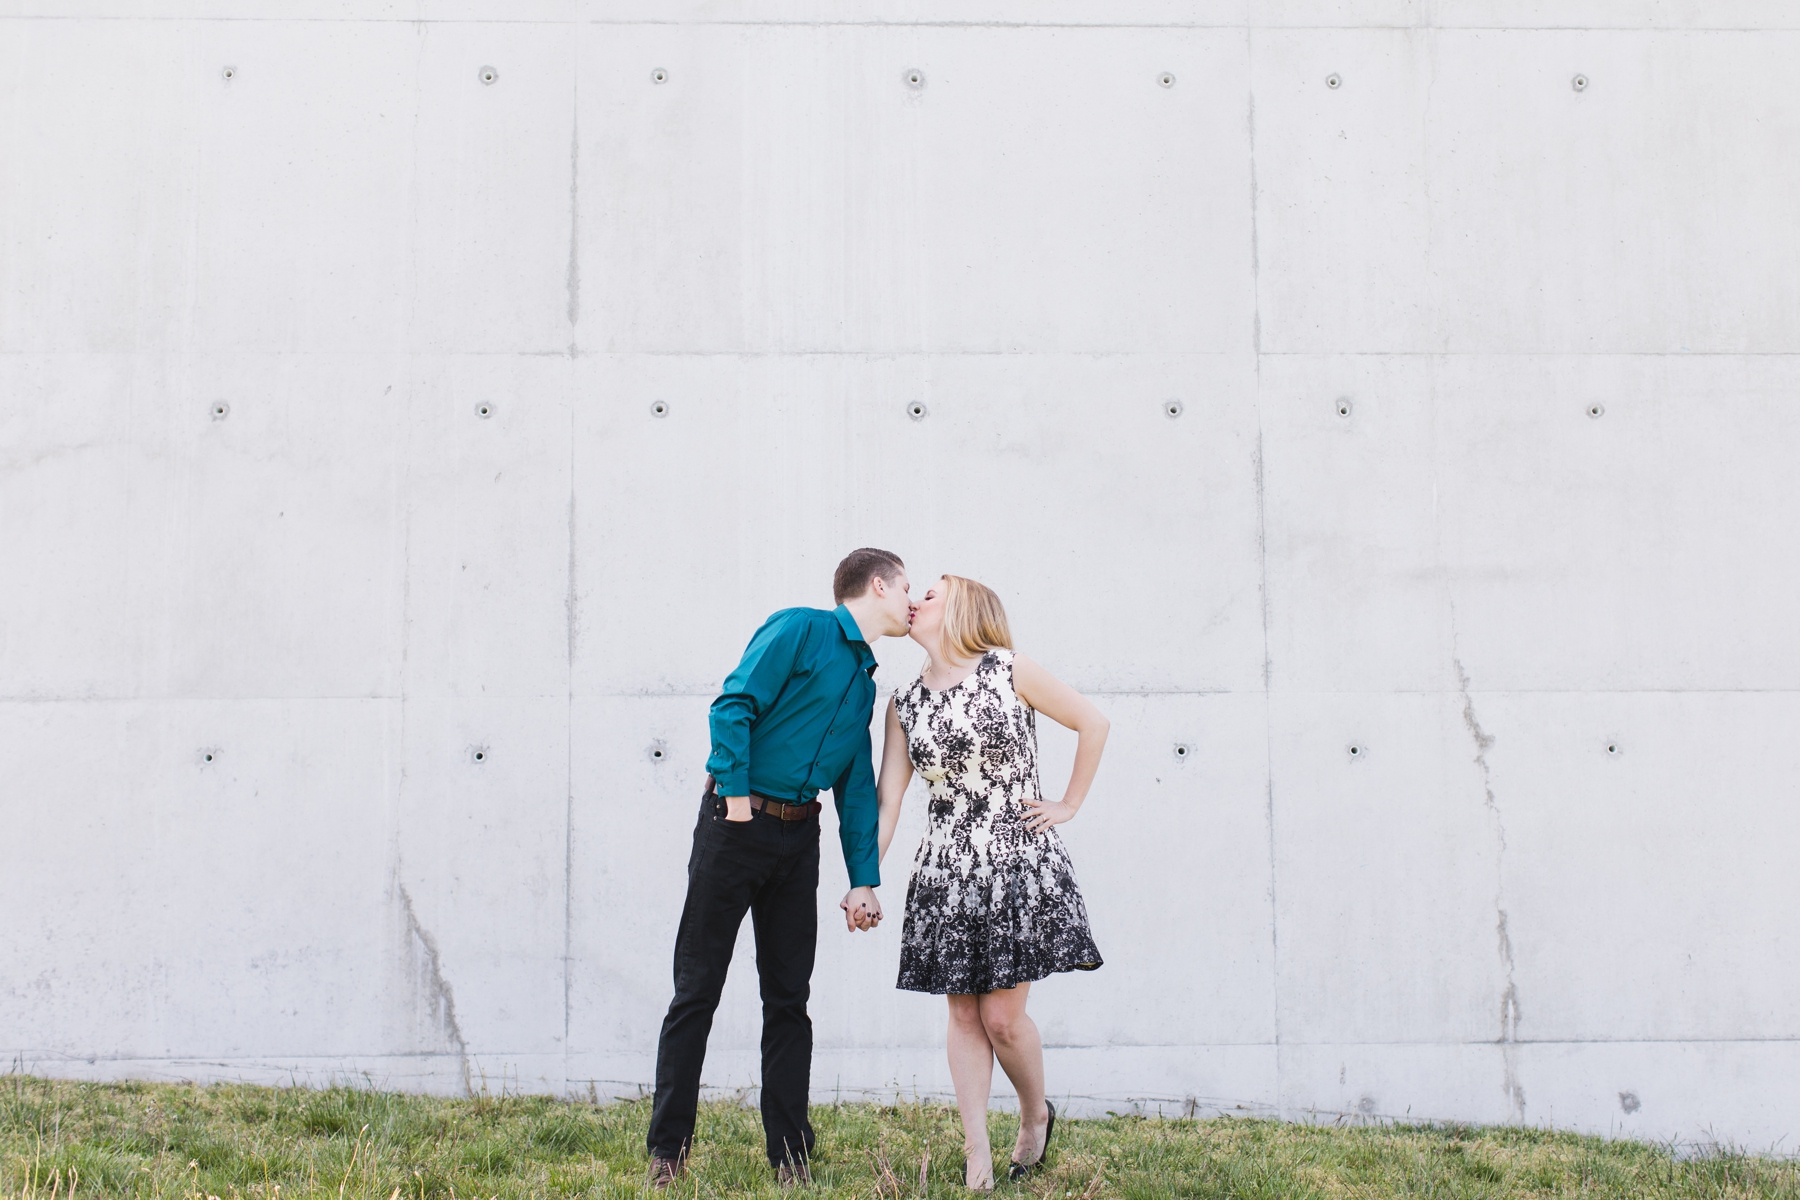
(975,741)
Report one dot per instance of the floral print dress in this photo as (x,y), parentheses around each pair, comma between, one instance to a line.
(991,904)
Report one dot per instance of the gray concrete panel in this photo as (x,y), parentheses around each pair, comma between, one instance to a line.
(200,904)
(204,533)
(1648,547)
(103,125)
(1356,592)
(493,189)
(1561,216)
(486,485)
(717,198)
(1343,210)
(480,856)
(1646,862)
(303,171)
(828,442)
(1424,892)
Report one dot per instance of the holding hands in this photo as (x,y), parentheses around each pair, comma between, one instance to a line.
(861,909)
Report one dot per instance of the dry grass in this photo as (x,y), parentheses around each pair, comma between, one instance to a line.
(61,1141)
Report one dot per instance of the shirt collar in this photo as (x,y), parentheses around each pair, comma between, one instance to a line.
(854,635)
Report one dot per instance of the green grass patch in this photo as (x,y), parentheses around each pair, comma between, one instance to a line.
(63,1140)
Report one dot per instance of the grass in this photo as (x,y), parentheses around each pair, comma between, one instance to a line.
(62,1140)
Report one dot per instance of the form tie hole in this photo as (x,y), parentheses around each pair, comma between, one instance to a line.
(484,411)
(1356,751)
(228,74)
(658,752)
(1172,408)
(1334,81)
(660,409)
(1596,411)
(1613,749)
(1167,79)
(916,411)
(478,755)
(220,410)
(1579,83)
(1343,408)
(1182,750)
(489,75)
(659,76)
(915,78)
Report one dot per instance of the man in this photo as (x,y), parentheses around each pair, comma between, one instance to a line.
(793,720)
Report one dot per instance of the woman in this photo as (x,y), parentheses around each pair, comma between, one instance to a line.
(993,904)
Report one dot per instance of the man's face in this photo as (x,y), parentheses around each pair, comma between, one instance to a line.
(893,600)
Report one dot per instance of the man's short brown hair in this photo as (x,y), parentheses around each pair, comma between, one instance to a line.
(860,569)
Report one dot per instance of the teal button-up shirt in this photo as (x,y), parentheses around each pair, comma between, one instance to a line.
(794,720)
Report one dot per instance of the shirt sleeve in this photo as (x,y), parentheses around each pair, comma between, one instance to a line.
(749,690)
(859,817)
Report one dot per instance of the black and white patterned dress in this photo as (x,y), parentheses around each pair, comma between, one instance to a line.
(991,904)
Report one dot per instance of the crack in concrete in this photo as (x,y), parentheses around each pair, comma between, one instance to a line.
(571,613)
(442,998)
(574,276)
(1255,234)
(569,599)
(1509,996)
(568,951)
(1262,556)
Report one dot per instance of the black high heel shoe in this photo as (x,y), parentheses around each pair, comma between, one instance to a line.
(1019,1170)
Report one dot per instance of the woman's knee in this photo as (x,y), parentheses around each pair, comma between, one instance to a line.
(1003,1024)
(965,1012)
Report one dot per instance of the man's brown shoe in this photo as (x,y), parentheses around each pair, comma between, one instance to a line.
(794,1173)
(664,1172)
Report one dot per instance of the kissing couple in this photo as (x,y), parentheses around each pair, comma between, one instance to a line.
(992,905)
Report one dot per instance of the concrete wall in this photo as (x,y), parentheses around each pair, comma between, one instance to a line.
(247,659)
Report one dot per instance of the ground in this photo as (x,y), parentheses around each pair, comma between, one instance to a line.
(63,1140)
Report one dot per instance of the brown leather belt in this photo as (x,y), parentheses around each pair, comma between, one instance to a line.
(778,809)
(784,812)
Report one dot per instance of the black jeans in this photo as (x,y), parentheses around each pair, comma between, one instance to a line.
(771,868)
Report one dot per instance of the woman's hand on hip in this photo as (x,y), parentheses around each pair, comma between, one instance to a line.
(1045,814)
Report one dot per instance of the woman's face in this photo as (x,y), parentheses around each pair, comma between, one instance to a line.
(928,617)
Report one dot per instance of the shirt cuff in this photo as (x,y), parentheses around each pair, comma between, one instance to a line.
(732,785)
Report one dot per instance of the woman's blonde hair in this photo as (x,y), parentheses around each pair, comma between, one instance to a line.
(974,619)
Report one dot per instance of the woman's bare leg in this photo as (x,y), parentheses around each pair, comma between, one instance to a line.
(1014,1037)
(972,1070)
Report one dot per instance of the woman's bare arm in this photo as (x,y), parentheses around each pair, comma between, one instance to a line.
(1069,708)
(896,773)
